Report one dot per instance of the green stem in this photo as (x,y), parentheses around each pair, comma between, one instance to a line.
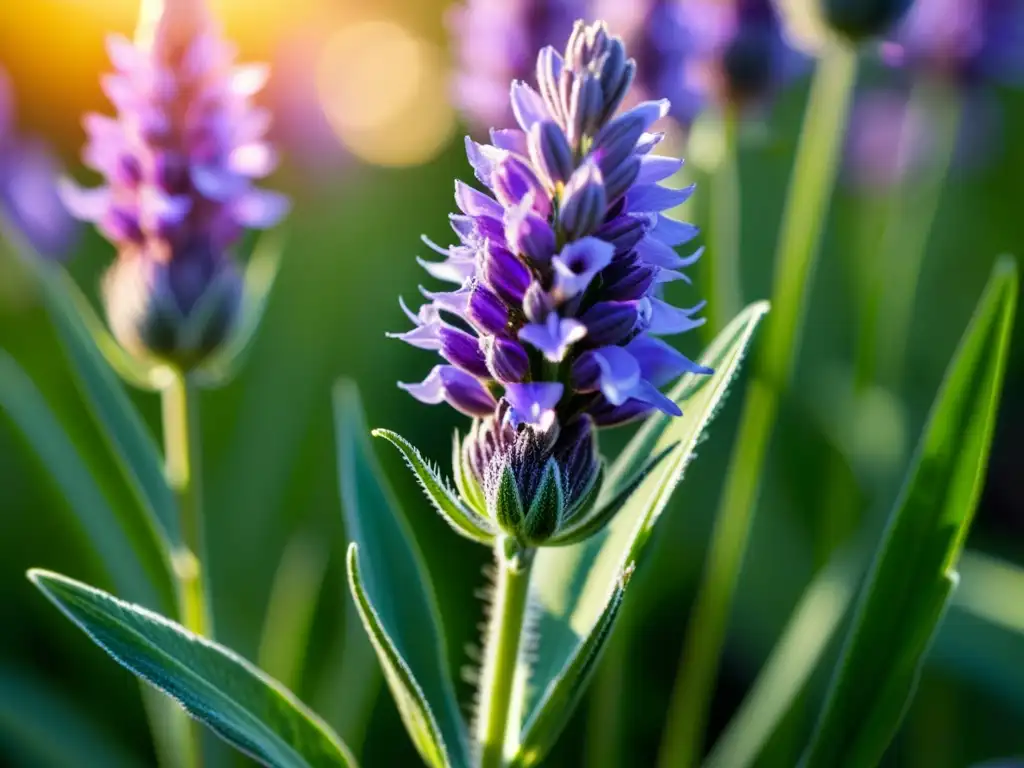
(182,456)
(504,635)
(724,228)
(806,210)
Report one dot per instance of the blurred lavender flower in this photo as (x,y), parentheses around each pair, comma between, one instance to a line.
(953,49)
(496,43)
(727,52)
(553,327)
(965,41)
(178,163)
(28,186)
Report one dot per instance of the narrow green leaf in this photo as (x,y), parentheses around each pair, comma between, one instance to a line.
(397,603)
(572,585)
(564,691)
(260,276)
(292,607)
(27,409)
(249,710)
(905,594)
(38,726)
(462,519)
(797,654)
(122,426)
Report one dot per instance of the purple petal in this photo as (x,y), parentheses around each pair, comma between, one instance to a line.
(672,232)
(649,112)
(454,302)
(607,415)
(472,202)
(462,391)
(578,263)
(612,370)
(457,268)
(510,139)
(660,363)
(532,401)
(653,251)
(667,320)
(527,106)
(426,336)
(483,158)
(553,337)
(655,168)
(653,197)
(648,393)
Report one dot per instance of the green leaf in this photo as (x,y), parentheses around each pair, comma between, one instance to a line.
(27,409)
(122,426)
(239,703)
(260,276)
(38,726)
(913,574)
(394,596)
(793,660)
(462,519)
(572,585)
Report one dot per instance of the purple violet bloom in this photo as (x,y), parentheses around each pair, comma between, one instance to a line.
(28,186)
(559,267)
(178,162)
(497,43)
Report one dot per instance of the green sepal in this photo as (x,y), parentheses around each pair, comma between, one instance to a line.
(464,520)
(508,507)
(547,508)
(599,517)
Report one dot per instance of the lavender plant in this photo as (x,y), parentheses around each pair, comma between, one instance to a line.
(551,334)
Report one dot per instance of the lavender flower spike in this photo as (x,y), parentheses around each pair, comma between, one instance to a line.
(178,162)
(559,266)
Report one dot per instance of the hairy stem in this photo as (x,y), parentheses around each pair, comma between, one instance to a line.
(504,638)
(803,224)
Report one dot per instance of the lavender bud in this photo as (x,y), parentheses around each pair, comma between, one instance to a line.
(537,303)
(507,361)
(585,108)
(618,182)
(178,310)
(617,141)
(624,232)
(584,202)
(529,235)
(505,273)
(549,71)
(486,311)
(550,153)
(628,279)
(609,322)
(513,181)
(463,350)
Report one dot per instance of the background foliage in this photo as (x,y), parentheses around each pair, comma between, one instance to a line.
(271,489)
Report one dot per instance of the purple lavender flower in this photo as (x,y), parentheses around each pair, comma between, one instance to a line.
(178,163)
(552,328)
(496,42)
(967,41)
(28,186)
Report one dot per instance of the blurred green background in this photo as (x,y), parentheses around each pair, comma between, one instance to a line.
(360,206)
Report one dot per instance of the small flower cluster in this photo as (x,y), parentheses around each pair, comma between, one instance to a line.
(178,162)
(553,327)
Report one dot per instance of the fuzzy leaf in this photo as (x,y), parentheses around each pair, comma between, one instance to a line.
(250,711)
(463,520)
(914,571)
(572,585)
(394,595)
